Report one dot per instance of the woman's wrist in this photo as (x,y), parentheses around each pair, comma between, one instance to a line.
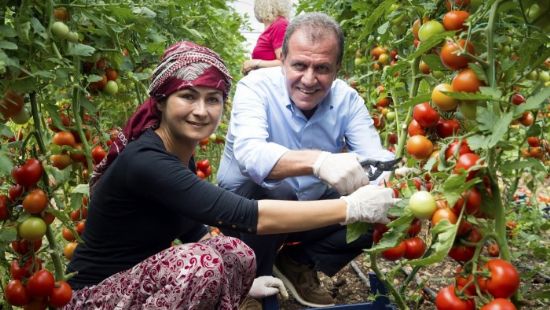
(257,64)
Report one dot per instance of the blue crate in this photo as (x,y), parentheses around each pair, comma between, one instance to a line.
(381,302)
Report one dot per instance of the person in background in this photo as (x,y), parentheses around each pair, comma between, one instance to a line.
(145,194)
(267,52)
(288,128)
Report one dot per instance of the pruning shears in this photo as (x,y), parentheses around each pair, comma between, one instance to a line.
(375,168)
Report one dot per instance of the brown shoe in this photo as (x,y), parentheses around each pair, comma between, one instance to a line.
(302,282)
(250,303)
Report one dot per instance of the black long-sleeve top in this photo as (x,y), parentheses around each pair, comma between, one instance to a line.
(145,200)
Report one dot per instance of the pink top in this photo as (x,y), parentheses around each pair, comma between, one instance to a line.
(270,40)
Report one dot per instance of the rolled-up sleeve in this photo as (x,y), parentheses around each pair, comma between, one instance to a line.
(254,153)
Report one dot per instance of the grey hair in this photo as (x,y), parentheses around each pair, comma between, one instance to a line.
(269,10)
(315,26)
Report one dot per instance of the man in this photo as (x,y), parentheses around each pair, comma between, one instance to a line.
(289,126)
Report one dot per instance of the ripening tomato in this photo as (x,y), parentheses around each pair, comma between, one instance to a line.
(493,249)
(443,214)
(32,229)
(35,201)
(466,81)
(415,129)
(28,174)
(527,119)
(419,147)
(98,153)
(68,234)
(465,162)
(11,104)
(473,202)
(64,138)
(40,284)
(414,248)
(442,101)
(504,279)
(425,115)
(61,14)
(454,20)
(111,74)
(451,54)
(68,250)
(447,127)
(499,304)
(533,141)
(60,161)
(16,294)
(396,252)
(4,211)
(61,294)
(462,253)
(415,27)
(423,67)
(15,192)
(80,226)
(446,299)
(377,51)
(383,102)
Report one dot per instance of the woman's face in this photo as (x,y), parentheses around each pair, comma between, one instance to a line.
(193,113)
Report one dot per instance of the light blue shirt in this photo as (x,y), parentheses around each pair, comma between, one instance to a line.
(265,124)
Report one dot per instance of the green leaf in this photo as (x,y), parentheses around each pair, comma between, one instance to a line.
(427,45)
(467,96)
(383,28)
(477,142)
(478,71)
(79,49)
(418,99)
(455,185)
(533,103)
(37,26)
(93,78)
(486,119)
(356,230)
(395,234)
(82,189)
(534,130)
(500,128)
(6,164)
(7,45)
(434,62)
(494,93)
(8,234)
(374,17)
(7,32)
(510,166)
(444,235)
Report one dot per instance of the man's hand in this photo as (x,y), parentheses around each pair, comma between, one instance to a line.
(266,286)
(341,171)
(369,204)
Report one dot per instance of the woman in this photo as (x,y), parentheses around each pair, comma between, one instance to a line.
(144,196)
(267,52)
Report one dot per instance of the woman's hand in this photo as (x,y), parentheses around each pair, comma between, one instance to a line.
(250,64)
(266,286)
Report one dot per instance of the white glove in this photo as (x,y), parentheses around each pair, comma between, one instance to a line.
(404,171)
(266,286)
(370,204)
(342,171)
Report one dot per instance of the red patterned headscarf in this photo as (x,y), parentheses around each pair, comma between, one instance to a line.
(184,64)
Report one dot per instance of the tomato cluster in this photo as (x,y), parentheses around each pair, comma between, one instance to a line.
(204,169)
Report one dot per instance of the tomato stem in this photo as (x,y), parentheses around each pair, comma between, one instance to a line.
(374,266)
(76,115)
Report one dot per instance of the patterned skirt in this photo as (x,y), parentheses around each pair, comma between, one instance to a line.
(212,274)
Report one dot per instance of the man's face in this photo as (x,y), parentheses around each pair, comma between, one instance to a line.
(310,68)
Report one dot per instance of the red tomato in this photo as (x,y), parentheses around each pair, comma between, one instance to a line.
(203,165)
(533,141)
(61,294)
(60,161)
(80,227)
(64,138)
(518,99)
(98,153)
(17,272)
(4,211)
(447,127)
(466,81)
(473,202)
(415,129)
(22,246)
(379,230)
(414,248)
(419,147)
(461,253)
(396,252)
(35,201)
(79,214)
(461,283)
(29,173)
(15,191)
(392,138)
(111,74)
(201,174)
(451,59)
(446,299)
(68,234)
(504,279)
(493,249)
(527,119)
(11,104)
(16,294)
(383,102)
(474,236)
(464,228)
(463,148)
(454,20)
(425,115)
(465,162)
(40,284)
(499,304)
(414,228)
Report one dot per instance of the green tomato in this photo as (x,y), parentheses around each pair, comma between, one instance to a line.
(22,117)
(111,88)
(32,229)
(72,37)
(422,205)
(390,116)
(429,29)
(438,74)
(544,76)
(60,30)
(533,75)
(359,61)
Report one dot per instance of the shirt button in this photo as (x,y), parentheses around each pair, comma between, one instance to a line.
(220,222)
(234,226)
